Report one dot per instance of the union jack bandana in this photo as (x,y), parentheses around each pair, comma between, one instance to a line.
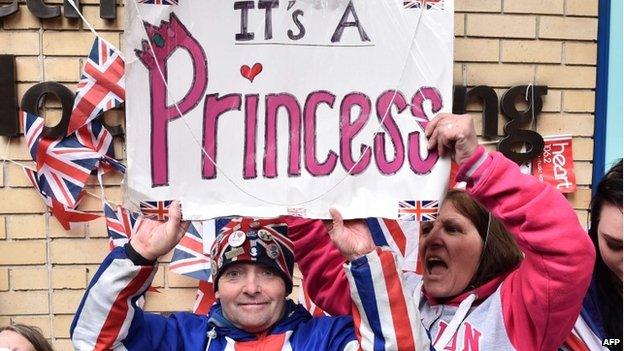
(263,241)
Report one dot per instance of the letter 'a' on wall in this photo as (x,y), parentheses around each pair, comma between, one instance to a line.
(265,108)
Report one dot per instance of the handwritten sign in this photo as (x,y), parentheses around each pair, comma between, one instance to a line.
(273,107)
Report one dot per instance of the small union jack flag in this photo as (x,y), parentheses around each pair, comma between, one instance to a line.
(188,256)
(429,4)
(158,210)
(418,210)
(101,85)
(159,2)
(69,218)
(204,299)
(120,224)
(63,165)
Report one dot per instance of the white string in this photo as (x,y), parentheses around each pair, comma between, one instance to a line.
(92,29)
(229,179)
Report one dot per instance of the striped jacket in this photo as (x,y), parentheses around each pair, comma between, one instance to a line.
(108,318)
(531,308)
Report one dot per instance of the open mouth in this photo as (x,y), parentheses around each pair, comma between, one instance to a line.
(435,265)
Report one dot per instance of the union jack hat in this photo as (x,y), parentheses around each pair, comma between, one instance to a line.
(250,240)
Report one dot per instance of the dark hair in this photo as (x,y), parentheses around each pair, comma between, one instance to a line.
(608,285)
(32,334)
(500,251)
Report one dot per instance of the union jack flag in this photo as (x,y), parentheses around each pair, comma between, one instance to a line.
(158,210)
(63,165)
(69,218)
(159,2)
(422,211)
(401,237)
(101,85)
(188,256)
(96,137)
(120,224)
(204,299)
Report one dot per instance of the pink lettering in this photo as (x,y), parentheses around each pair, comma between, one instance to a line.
(213,109)
(384,105)
(313,166)
(251,131)
(348,131)
(165,40)
(273,103)
(471,338)
(419,165)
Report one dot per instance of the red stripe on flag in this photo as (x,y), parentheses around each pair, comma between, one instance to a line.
(400,319)
(191,244)
(119,311)
(397,234)
(180,264)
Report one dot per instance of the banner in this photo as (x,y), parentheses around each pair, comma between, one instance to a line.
(556,164)
(268,107)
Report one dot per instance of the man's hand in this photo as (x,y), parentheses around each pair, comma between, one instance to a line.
(454,133)
(352,238)
(154,239)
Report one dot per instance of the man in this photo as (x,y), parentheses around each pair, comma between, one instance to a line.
(252,266)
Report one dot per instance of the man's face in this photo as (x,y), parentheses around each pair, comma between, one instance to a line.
(252,296)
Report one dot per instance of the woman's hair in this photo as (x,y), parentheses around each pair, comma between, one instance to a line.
(32,334)
(608,286)
(500,251)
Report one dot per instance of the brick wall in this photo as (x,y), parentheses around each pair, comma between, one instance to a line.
(45,269)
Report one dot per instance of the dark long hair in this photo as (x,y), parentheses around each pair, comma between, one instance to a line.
(32,334)
(500,251)
(608,285)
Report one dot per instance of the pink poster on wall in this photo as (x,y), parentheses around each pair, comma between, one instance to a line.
(556,164)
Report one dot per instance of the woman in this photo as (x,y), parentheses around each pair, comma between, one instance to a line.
(601,317)
(477,292)
(21,337)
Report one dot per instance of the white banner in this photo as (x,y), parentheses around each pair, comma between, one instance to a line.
(272,107)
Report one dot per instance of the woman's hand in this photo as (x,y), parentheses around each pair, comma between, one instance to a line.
(154,239)
(352,238)
(454,133)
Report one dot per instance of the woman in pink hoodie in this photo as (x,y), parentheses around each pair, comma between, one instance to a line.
(479,291)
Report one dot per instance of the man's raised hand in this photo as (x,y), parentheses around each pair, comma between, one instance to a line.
(154,239)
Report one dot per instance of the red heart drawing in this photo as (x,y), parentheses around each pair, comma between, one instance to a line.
(251,73)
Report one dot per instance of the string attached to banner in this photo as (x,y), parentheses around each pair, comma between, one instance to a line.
(92,29)
(423,4)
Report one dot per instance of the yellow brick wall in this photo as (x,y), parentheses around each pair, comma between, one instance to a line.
(45,269)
